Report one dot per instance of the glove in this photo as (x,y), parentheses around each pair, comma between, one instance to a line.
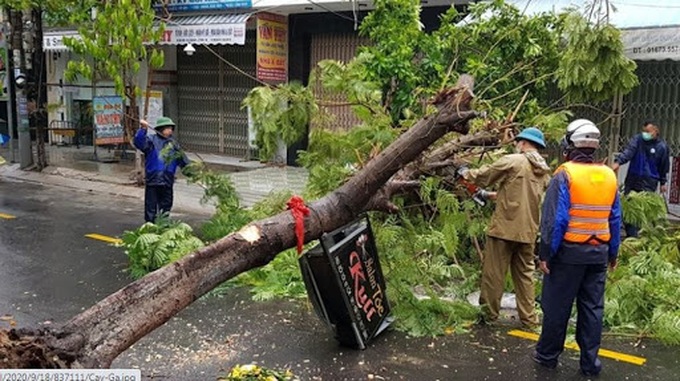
(483,194)
(461,171)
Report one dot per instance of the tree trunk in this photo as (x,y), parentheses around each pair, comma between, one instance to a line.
(18,56)
(131,125)
(97,336)
(39,92)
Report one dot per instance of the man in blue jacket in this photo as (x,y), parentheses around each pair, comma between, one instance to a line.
(163,156)
(648,156)
(580,235)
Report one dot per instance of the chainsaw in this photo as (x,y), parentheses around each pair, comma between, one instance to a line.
(479,195)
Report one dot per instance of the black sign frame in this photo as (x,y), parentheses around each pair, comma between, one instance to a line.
(345,283)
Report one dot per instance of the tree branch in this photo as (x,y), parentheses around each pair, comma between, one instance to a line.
(94,338)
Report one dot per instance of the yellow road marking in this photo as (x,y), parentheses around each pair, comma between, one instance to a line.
(603,352)
(104,238)
(7,216)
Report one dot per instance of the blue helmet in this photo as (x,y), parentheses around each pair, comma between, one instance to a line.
(532,134)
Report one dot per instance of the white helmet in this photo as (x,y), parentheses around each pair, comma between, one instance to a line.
(583,133)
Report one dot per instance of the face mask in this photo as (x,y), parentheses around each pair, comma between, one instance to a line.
(646,136)
(518,147)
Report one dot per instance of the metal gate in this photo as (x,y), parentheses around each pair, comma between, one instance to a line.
(210,93)
(657,99)
(341,47)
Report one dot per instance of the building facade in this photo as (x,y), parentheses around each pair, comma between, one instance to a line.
(236,47)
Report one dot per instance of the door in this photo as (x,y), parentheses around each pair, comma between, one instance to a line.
(210,92)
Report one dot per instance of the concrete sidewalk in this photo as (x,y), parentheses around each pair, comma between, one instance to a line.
(76,168)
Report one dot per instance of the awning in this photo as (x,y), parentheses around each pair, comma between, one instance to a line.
(652,44)
(223,29)
(53,41)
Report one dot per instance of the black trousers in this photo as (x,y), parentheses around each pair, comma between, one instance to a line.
(632,230)
(566,282)
(157,200)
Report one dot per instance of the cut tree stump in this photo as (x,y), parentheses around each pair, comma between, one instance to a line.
(94,338)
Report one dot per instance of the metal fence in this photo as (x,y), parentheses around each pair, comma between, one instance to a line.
(656,99)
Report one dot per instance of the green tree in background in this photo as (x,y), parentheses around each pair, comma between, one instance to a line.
(120,35)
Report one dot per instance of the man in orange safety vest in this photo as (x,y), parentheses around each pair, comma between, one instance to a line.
(580,235)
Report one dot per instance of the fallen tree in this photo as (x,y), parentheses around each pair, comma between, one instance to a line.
(94,338)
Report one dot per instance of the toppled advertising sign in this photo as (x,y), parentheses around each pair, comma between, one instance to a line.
(346,285)
(355,262)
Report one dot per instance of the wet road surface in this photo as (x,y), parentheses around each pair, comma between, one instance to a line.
(49,272)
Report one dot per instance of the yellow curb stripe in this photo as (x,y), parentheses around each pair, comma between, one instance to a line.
(603,352)
(104,238)
(7,216)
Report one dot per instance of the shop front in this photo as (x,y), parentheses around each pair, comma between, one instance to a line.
(198,86)
(211,83)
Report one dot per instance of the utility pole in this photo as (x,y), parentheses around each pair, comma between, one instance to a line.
(23,126)
(8,81)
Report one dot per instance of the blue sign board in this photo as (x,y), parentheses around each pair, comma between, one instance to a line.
(205,5)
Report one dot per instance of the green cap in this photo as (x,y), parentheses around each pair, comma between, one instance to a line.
(164,121)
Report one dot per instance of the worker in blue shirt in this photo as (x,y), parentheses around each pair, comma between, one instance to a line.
(580,236)
(163,156)
(648,156)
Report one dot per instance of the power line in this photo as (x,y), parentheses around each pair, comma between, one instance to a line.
(331,11)
(656,6)
(241,71)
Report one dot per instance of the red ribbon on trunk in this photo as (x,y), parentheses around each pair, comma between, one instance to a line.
(297,207)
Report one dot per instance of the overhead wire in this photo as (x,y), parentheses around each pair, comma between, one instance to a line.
(255,12)
(219,56)
(641,5)
(330,10)
(213,52)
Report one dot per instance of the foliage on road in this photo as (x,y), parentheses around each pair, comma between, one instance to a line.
(154,245)
(642,208)
(253,372)
(431,249)
(641,296)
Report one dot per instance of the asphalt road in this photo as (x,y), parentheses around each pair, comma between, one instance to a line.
(49,272)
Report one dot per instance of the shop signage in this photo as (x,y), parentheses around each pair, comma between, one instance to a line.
(217,34)
(673,193)
(272,47)
(652,44)
(345,284)
(108,120)
(208,34)
(203,5)
(4,64)
(55,42)
(355,263)
(155,109)
(22,106)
